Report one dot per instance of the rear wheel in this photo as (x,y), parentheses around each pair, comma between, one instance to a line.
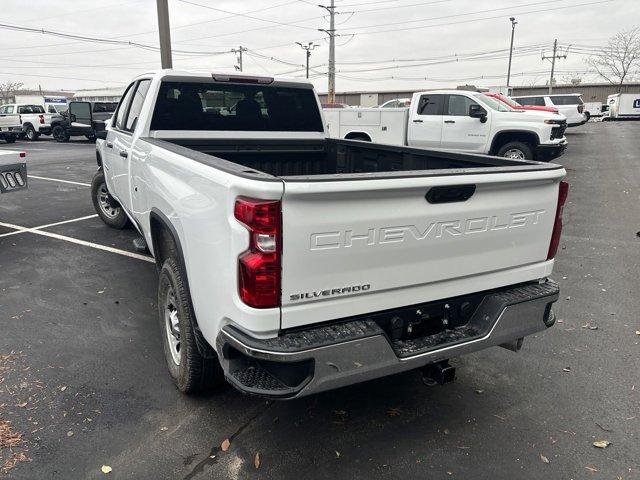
(587,115)
(60,134)
(516,151)
(91,137)
(190,371)
(107,208)
(31,133)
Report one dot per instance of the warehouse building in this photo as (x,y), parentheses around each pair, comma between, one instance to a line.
(591,92)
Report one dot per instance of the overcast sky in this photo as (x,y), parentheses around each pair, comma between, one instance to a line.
(416,43)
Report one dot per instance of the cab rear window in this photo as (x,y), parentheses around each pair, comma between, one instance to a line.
(235,107)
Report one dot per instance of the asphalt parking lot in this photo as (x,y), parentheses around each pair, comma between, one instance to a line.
(83,376)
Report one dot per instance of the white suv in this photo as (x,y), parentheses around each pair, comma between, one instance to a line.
(569,105)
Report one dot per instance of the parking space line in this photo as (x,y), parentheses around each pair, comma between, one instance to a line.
(94,245)
(20,229)
(36,230)
(59,181)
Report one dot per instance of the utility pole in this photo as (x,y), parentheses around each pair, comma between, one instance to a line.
(513,29)
(165,34)
(332,50)
(553,63)
(239,52)
(308,47)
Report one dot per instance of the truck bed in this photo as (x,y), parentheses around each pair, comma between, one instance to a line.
(301,159)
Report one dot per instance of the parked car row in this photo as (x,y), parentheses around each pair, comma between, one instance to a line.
(31,121)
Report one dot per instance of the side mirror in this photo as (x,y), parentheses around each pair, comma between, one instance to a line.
(72,117)
(476,111)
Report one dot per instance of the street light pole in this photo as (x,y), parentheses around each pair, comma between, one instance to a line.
(513,29)
(308,47)
(165,34)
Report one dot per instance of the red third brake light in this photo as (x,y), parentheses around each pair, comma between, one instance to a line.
(563,191)
(259,266)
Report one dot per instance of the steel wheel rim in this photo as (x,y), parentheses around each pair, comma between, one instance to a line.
(105,202)
(514,154)
(31,134)
(172,326)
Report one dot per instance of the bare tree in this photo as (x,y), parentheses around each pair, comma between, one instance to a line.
(8,90)
(619,59)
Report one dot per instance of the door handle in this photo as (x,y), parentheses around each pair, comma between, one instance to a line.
(417,121)
(449,121)
(124,153)
(109,145)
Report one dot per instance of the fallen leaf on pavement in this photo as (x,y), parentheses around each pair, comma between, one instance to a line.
(106,469)
(22,405)
(566,369)
(591,469)
(62,389)
(637,332)
(393,412)
(256,460)
(601,443)
(225,445)
(337,454)
(544,459)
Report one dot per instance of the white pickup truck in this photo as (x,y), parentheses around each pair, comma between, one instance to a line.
(33,118)
(291,263)
(456,120)
(10,127)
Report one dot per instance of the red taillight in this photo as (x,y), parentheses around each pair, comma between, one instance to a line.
(41,117)
(580,108)
(563,191)
(259,266)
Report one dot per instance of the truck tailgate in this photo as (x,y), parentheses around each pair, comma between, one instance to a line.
(356,246)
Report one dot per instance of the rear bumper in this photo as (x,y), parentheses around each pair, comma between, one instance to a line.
(306,362)
(546,152)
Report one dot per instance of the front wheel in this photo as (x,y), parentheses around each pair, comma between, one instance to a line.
(516,151)
(190,371)
(107,208)
(60,134)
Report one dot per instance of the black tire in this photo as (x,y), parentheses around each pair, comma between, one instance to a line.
(588,115)
(91,137)
(516,150)
(60,134)
(31,134)
(107,208)
(190,371)
(10,139)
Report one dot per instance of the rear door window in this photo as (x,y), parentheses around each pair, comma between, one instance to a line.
(430,105)
(136,104)
(566,100)
(123,107)
(535,101)
(235,107)
(458,105)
